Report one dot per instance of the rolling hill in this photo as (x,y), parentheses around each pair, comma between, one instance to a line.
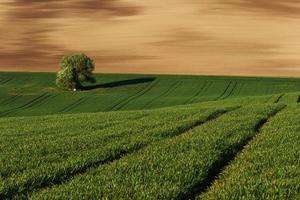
(24,94)
(168,137)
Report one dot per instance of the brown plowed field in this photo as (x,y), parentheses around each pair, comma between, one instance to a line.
(232,37)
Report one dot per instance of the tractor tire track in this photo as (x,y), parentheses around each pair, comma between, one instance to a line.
(219,166)
(279,98)
(41,101)
(191,100)
(10,100)
(4,81)
(72,173)
(137,95)
(126,99)
(27,105)
(225,91)
(169,90)
(240,89)
(231,91)
(206,89)
(73,105)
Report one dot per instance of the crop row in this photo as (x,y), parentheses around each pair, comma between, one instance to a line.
(33,157)
(268,168)
(169,169)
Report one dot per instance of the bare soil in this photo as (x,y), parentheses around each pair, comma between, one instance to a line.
(228,37)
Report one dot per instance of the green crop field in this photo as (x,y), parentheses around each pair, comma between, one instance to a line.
(150,137)
(36,94)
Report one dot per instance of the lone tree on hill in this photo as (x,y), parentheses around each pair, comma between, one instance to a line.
(74,70)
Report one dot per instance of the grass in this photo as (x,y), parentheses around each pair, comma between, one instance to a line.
(268,168)
(28,94)
(49,157)
(168,137)
(171,168)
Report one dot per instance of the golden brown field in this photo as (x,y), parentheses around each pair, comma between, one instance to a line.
(232,37)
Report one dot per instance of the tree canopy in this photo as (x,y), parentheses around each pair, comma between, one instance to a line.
(74,70)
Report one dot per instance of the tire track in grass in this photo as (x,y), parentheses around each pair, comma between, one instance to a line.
(166,169)
(34,101)
(240,89)
(225,91)
(10,99)
(113,105)
(231,91)
(69,174)
(73,105)
(135,96)
(191,100)
(268,168)
(170,89)
(127,98)
(275,98)
(219,166)
(27,105)
(4,81)
(37,102)
(279,98)
(298,100)
(206,89)
(41,101)
(18,94)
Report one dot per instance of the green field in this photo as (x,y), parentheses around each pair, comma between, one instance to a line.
(169,137)
(35,93)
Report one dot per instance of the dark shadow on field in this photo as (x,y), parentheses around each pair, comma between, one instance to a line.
(119,83)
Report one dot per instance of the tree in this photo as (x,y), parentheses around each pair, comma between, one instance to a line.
(74,70)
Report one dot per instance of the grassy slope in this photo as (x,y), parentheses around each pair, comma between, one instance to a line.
(58,148)
(268,168)
(186,146)
(35,93)
(122,143)
(169,169)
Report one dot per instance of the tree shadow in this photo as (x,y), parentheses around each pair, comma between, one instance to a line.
(119,83)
